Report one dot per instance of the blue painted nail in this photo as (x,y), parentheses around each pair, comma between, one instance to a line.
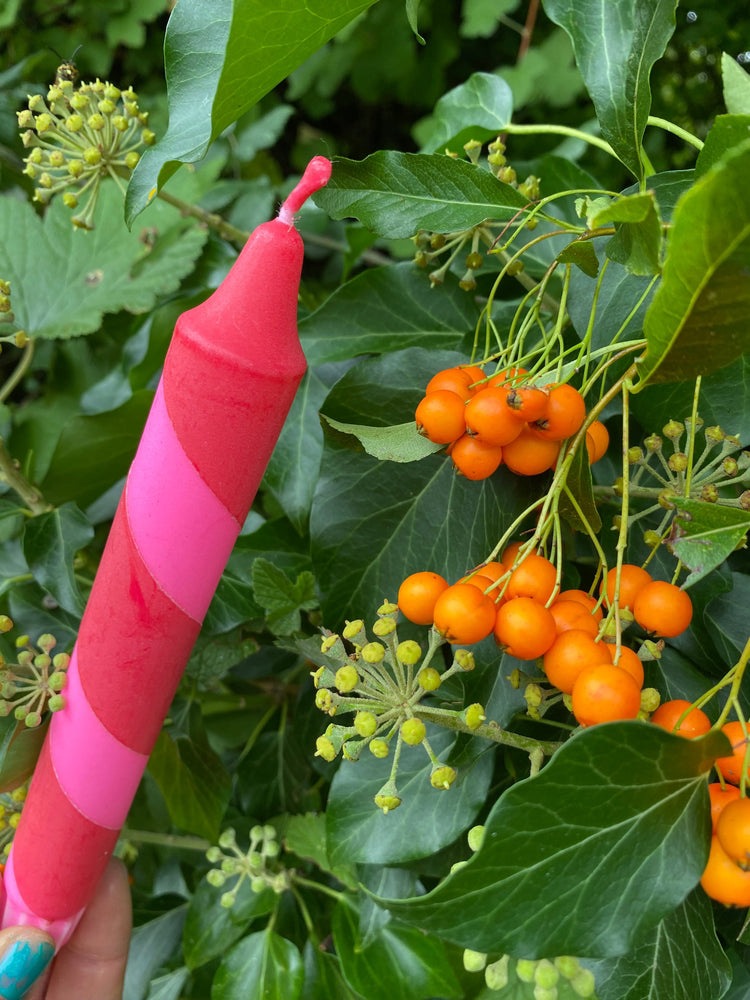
(21,965)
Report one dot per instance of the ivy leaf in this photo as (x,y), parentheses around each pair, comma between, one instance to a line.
(699,318)
(479,18)
(696,959)
(397,194)
(282,598)
(399,443)
(736,85)
(705,534)
(50,544)
(306,837)
(616,46)
(20,747)
(405,963)
(105,270)
(263,966)
(478,109)
(220,59)
(211,928)
(572,859)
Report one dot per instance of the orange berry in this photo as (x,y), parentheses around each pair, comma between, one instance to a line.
(731,766)
(454,379)
(417,596)
(528,403)
(573,615)
(695,723)
(733,831)
(632,580)
(583,598)
(535,576)
(510,553)
(629,660)
(491,419)
(440,416)
(604,693)
(474,459)
(663,608)
(597,441)
(524,627)
(723,880)
(464,614)
(569,655)
(530,455)
(566,411)
(720,796)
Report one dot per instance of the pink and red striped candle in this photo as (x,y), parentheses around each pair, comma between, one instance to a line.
(229,378)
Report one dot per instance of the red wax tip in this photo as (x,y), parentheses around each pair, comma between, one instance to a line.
(316,175)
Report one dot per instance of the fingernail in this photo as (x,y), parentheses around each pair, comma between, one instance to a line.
(21,964)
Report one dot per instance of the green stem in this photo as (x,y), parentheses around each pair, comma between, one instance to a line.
(487,731)
(681,133)
(225,229)
(318,886)
(572,133)
(174,840)
(10,474)
(19,371)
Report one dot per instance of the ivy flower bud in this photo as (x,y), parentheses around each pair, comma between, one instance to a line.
(413,731)
(379,748)
(474,716)
(429,679)
(475,837)
(474,961)
(496,974)
(373,652)
(324,748)
(525,969)
(346,678)
(443,776)
(365,723)
(408,652)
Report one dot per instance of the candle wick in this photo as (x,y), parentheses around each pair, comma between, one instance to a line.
(316,175)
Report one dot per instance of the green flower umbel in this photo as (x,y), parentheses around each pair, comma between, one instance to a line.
(79,135)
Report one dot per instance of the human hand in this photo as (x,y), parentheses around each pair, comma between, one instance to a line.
(91,964)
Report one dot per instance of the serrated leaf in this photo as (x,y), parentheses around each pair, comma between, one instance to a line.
(616,45)
(50,544)
(263,966)
(397,194)
(679,959)
(427,819)
(399,443)
(210,928)
(705,534)
(736,86)
(220,59)
(573,859)
(386,309)
(405,963)
(105,270)
(282,598)
(699,318)
(478,109)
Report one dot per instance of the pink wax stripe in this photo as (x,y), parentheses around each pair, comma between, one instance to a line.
(97,772)
(17,913)
(183,532)
(59,855)
(133,643)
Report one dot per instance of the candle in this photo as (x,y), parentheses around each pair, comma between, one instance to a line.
(229,378)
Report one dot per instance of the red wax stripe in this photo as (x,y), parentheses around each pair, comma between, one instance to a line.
(61,856)
(133,644)
(182,531)
(256,364)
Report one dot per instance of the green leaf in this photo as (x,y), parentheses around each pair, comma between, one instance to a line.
(412,10)
(699,319)
(105,270)
(169,986)
(195,784)
(726,616)
(306,837)
(403,962)
(211,928)
(679,959)
(637,244)
(478,109)
(400,443)
(283,598)
(726,133)
(427,819)
(385,309)
(736,85)
(19,751)
(50,544)
(263,966)
(616,46)
(94,452)
(151,946)
(705,534)
(220,59)
(573,859)
(579,485)
(479,18)
(583,255)
(397,194)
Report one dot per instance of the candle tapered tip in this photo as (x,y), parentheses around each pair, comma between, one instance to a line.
(316,175)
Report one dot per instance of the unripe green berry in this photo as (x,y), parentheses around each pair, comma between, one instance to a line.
(61,661)
(474,961)
(96,122)
(413,731)
(228,838)
(79,101)
(347,678)
(496,974)
(379,748)
(149,137)
(75,168)
(106,106)
(365,723)
(666,499)
(32,720)
(652,538)
(709,493)
(714,434)
(525,969)
(546,974)
(475,837)
(92,156)
(429,679)
(373,652)
(650,699)
(443,776)
(55,703)
(257,884)
(132,159)
(437,241)
(474,261)
(230,866)
(227,900)
(653,443)
(69,200)
(216,878)
(545,992)
(583,983)
(44,122)
(387,608)
(408,652)
(567,965)
(213,854)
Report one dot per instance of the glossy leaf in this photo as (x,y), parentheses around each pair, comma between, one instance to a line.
(705,534)
(104,270)
(263,966)
(400,443)
(427,819)
(397,194)
(306,837)
(736,86)
(616,46)
(50,544)
(561,844)
(210,928)
(403,962)
(671,960)
(169,986)
(699,318)
(220,59)
(151,945)
(478,109)
(19,750)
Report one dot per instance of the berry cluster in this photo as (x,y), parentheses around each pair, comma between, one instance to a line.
(503,419)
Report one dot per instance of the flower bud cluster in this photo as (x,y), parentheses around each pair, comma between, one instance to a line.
(384,682)
(34,683)
(544,975)
(680,463)
(11,804)
(77,136)
(257,864)
(430,246)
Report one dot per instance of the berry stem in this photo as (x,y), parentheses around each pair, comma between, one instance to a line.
(488,730)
